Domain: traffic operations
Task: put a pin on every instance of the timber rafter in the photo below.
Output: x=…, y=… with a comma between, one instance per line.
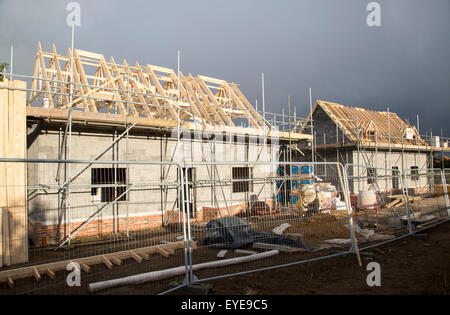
x=368, y=127
x=149, y=91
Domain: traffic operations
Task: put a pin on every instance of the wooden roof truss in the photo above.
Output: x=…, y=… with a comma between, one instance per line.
x=362, y=125
x=148, y=91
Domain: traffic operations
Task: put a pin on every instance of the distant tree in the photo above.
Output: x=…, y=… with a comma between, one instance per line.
x=3, y=67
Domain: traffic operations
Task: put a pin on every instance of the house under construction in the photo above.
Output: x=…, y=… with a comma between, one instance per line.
x=112, y=141
x=87, y=108
x=372, y=140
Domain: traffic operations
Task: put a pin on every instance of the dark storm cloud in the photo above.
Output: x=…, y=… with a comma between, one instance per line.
x=323, y=44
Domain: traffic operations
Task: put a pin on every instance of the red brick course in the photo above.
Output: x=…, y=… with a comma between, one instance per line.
x=46, y=234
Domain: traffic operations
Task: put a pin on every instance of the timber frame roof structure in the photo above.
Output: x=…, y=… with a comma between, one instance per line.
x=148, y=95
x=367, y=127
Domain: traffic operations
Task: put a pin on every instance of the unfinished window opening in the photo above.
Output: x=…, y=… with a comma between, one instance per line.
x=245, y=174
x=110, y=177
x=395, y=177
x=189, y=191
x=371, y=175
x=371, y=134
x=415, y=173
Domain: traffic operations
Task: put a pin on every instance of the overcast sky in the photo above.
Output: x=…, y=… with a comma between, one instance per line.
x=324, y=44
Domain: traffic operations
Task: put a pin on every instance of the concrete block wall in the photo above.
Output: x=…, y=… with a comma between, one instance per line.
x=325, y=126
x=146, y=204
x=45, y=234
x=385, y=160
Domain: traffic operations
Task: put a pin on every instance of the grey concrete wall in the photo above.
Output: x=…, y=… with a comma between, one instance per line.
x=325, y=129
x=385, y=161
x=146, y=198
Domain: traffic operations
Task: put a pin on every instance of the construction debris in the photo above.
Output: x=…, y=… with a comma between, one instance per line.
x=229, y=232
x=222, y=253
x=271, y=246
x=258, y=208
x=332, y=243
x=233, y=232
x=381, y=237
x=367, y=233
x=280, y=229
x=245, y=252
x=296, y=237
x=338, y=241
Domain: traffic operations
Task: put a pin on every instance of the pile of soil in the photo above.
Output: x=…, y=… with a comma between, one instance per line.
x=320, y=227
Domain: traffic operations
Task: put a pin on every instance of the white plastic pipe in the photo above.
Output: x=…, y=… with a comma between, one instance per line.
x=167, y=273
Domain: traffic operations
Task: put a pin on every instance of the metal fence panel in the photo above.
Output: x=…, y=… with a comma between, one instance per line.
x=381, y=208
x=427, y=196
x=445, y=187
x=390, y=204
x=242, y=210
x=121, y=219
x=113, y=218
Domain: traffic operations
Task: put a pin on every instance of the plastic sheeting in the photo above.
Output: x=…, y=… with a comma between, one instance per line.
x=233, y=232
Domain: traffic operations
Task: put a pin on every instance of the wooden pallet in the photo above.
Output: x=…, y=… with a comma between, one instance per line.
x=109, y=260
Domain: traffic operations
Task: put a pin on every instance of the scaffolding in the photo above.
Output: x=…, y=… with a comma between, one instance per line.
x=83, y=88
x=151, y=92
x=368, y=132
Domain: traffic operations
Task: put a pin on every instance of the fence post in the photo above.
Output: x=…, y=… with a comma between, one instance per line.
x=346, y=190
x=188, y=215
x=1, y=234
x=406, y=199
x=181, y=208
x=444, y=189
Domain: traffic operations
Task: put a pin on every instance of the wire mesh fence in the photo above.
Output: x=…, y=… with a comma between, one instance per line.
x=110, y=218
x=126, y=229
x=381, y=208
x=427, y=196
x=446, y=172
x=390, y=203
x=283, y=213
x=445, y=186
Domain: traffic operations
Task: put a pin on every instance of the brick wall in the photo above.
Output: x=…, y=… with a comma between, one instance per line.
x=42, y=235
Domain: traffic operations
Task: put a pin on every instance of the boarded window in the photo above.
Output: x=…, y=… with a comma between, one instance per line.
x=114, y=179
x=243, y=173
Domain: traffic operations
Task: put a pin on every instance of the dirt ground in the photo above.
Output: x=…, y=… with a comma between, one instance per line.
x=408, y=266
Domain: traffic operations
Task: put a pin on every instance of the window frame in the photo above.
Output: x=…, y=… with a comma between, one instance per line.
x=242, y=186
x=414, y=173
x=109, y=176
